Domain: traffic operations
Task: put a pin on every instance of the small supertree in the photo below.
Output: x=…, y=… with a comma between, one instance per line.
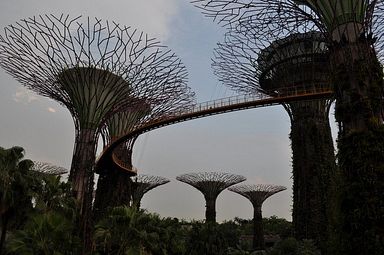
x=142, y=183
x=48, y=168
x=211, y=184
x=93, y=68
x=353, y=30
x=257, y=194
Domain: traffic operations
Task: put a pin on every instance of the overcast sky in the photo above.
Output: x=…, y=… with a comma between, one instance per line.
x=253, y=143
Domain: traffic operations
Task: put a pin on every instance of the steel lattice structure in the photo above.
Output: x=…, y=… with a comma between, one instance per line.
x=142, y=183
x=115, y=185
x=257, y=194
x=48, y=168
x=353, y=32
x=211, y=184
x=95, y=69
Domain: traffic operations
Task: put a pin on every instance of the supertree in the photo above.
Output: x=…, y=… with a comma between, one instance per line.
x=48, y=168
x=257, y=194
x=353, y=32
x=296, y=62
x=211, y=184
x=114, y=185
x=142, y=183
x=93, y=68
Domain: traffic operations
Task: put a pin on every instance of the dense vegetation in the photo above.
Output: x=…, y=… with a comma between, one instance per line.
x=39, y=215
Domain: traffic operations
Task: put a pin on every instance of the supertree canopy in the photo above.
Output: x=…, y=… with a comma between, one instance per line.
x=48, y=168
x=257, y=194
x=296, y=63
x=93, y=68
x=211, y=184
x=353, y=32
x=142, y=183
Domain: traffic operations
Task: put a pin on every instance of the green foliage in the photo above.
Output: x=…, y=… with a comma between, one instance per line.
x=54, y=195
x=212, y=238
x=272, y=226
x=127, y=230
x=16, y=187
x=277, y=226
x=291, y=246
x=361, y=160
x=46, y=234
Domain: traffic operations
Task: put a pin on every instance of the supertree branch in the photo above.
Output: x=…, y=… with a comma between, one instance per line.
x=257, y=194
x=232, y=13
x=211, y=184
x=260, y=62
x=39, y=51
x=279, y=18
x=48, y=168
x=142, y=184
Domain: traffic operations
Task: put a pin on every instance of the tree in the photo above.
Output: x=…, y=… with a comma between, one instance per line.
x=124, y=231
x=55, y=195
x=16, y=186
x=211, y=238
x=48, y=233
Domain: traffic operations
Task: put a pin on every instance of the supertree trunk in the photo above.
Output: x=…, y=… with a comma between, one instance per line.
x=258, y=231
x=81, y=178
x=358, y=80
x=313, y=167
x=210, y=209
x=82, y=163
x=257, y=194
x=114, y=187
x=136, y=200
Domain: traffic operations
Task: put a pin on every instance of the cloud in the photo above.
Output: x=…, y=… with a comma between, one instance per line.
x=151, y=16
x=25, y=96
x=50, y=109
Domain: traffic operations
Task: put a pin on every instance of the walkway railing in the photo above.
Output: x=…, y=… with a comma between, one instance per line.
x=218, y=106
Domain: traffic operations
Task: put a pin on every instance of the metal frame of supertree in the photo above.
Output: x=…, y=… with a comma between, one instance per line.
x=94, y=69
x=143, y=183
x=353, y=30
x=48, y=168
x=114, y=186
x=211, y=184
x=257, y=194
x=298, y=60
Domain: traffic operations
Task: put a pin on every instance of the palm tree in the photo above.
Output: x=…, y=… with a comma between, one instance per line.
x=55, y=195
x=46, y=234
x=126, y=231
x=15, y=186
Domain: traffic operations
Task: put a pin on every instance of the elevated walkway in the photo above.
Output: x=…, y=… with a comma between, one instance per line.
x=108, y=159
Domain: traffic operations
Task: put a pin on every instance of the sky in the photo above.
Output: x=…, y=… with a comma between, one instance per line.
x=253, y=143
